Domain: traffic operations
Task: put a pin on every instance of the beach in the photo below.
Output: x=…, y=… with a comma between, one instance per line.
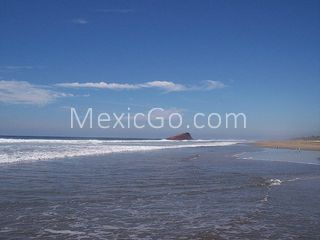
x=291, y=144
x=160, y=120
x=156, y=190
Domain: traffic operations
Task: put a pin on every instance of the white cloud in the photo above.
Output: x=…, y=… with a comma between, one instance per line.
x=102, y=85
x=81, y=21
x=210, y=84
x=21, y=92
x=167, y=86
x=164, y=85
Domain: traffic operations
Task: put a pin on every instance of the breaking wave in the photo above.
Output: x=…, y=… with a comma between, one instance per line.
x=274, y=182
x=14, y=150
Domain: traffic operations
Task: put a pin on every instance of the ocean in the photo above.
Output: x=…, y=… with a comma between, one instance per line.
x=156, y=189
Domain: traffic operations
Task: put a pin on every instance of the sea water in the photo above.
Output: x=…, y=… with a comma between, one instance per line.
x=156, y=189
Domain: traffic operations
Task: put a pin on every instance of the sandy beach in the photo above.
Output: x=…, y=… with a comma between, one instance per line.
x=291, y=144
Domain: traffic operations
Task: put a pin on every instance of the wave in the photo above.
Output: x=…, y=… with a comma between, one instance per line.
x=273, y=182
x=68, y=232
x=85, y=141
x=15, y=150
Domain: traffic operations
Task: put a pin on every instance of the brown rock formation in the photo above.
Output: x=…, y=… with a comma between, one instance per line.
x=182, y=136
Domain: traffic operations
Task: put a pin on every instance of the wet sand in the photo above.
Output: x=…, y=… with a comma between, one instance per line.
x=291, y=144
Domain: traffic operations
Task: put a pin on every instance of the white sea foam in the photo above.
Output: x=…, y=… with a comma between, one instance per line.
x=69, y=232
x=274, y=182
x=85, y=141
x=13, y=150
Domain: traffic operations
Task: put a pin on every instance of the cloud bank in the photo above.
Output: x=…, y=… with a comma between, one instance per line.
x=167, y=86
x=21, y=92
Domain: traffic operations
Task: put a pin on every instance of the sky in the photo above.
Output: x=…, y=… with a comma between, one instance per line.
x=261, y=58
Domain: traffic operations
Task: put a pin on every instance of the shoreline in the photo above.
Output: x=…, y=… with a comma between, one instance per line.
x=308, y=145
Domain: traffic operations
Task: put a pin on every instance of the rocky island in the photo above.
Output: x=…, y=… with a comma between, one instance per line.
x=182, y=136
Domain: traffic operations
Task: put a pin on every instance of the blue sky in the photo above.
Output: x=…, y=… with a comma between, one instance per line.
x=257, y=57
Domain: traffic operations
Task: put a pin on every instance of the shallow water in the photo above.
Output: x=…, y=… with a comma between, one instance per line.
x=206, y=192
x=283, y=155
